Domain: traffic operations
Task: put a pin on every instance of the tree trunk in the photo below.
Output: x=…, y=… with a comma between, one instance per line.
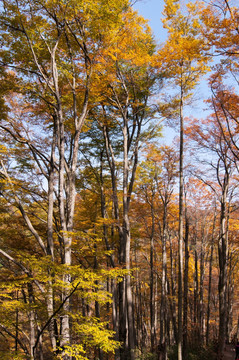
x=230, y=295
x=195, y=295
x=163, y=309
x=210, y=281
x=172, y=298
x=223, y=260
x=130, y=335
x=185, y=293
x=201, y=292
x=31, y=321
x=180, y=238
x=50, y=244
x=152, y=282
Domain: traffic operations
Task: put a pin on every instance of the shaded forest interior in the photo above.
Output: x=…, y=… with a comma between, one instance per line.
x=113, y=244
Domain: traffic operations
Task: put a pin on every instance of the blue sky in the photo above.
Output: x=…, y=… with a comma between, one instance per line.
x=152, y=10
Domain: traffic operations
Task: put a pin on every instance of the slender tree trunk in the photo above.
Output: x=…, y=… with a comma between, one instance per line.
x=16, y=327
x=201, y=292
x=152, y=282
x=180, y=238
x=195, y=295
x=173, y=292
x=111, y=257
x=65, y=324
x=185, y=295
x=137, y=295
x=122, y=314
x=97, y=305
x=139, y=312
x=40, y=355
x=31, y=321
x=230, y=293
x=163, y=309
x=130, y=334
x=223, y=260
x=126, y=229
x=210, y=281
x=50, y=245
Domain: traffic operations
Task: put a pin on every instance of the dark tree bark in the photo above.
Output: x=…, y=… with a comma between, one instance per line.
x=185, y=292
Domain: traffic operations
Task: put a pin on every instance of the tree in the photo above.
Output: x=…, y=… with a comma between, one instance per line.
x=62, y=45
x=129, y=83
x=155, y=182
x=184, y=61
x=211, y=136
x=221, y=30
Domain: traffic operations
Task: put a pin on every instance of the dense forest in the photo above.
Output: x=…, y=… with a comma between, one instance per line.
x=115, y=243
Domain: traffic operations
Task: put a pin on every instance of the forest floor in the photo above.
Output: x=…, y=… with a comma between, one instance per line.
x=229, y=353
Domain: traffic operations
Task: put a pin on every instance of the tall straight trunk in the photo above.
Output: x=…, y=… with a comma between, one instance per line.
x=230, y=295
x=104, y=213
x=195, y=294
x=163, y=309
x=40, y=354
x=120, y=317
x=173, y=292
x=209, y=296
x=152, y=282
x=156, y=307
x=210, y=281
x=115, y=314
x=230, y=282
x=50, y=245
x=137, y=294
x=201, y=292
x=16, y=326
x=123, y=318
x=180, y=237
x=111, y=256
x=32, y=336
x=115, y=297
x=185, y=293
x=65, y=324
x=130, y=335
x=223, y=261
x=152, y=297
x=97, y=305
x=139, y=312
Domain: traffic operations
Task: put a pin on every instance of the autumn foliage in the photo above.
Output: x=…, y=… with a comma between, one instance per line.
x=113, y=244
